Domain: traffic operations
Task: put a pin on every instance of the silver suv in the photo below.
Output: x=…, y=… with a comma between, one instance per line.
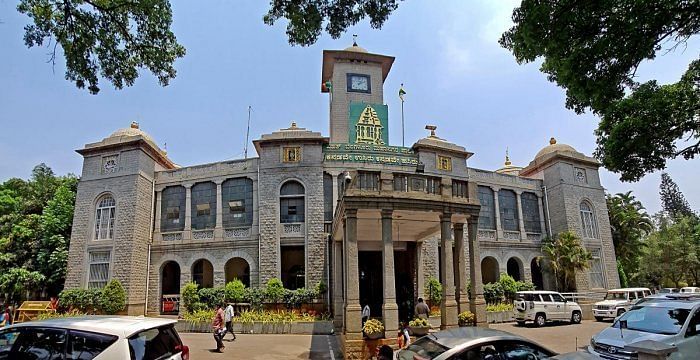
x=674, y=320
x=542, y=306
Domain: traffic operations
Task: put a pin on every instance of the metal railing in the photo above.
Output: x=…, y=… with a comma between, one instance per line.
x=584, y=297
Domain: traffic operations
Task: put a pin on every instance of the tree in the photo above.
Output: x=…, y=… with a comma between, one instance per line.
x=113, y=299
x=592, y=49
x=565, y=256
x=671, y=252
x=629, y=223
x=116, y=39
x=672, y=199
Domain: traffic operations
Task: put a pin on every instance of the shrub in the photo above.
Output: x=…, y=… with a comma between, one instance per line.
x=466, y=318
x=499, y=307
x=200, y=316
x=434, y=291
x=509, y=286
x=493, y=293
x=254, y=296
x=113, y=299
x=294, y=298
x=373, y=326
x=190, y=296
x=82, y=300
x=525, y=286
x=235, y=291
x=321, y=288
x=212, y=296
x=418, y=322
x=274, y=291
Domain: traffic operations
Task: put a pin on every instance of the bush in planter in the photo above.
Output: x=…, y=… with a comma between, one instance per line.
x=373, y=327
x=493, y=293
x=509, y=286
x=82, y=300
x=274, y=291
x=466, y=318
x=418, y=322
x=113, y=299
x=235, y=291
x=189, y=296
x=212, y=296
x=434, y=291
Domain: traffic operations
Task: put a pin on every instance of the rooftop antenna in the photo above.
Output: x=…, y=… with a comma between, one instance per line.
x=247, y=133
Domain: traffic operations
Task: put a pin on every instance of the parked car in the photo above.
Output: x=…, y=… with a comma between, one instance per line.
x=667, y=291
x=690, y=289
x=617, y=301
x=93, y=337
x=542, y=306
x=473, y=343
x=674, y=321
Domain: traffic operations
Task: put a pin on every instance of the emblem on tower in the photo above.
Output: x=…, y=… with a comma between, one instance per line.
x=368, y=124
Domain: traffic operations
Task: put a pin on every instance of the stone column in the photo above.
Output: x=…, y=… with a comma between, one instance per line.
x=159, y=213
x=461, y=280
x=521, y=220
x=389, y=308
x=353, y=309
x=219, y=229
x=497, y=211
x=335, y=191
x=338, y=283
x=477, y=303
x=187, y=234
x=543, y=228
x=420, y=276
x=448, y=305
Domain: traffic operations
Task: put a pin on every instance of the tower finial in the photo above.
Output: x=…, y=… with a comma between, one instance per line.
x=432, y=129
x=354, y=39
x=507, y=163
x=552, y=141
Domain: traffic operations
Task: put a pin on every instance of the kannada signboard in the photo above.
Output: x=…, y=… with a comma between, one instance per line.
x=370, y=153
x=368, y=123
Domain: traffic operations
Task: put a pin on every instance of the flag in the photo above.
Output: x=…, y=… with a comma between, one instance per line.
x=402, y=92
x=328, y=85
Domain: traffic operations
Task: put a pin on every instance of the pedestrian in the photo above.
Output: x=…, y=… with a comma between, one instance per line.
x=385, y=353
x=54, y=303
x=365, y=314
x=228, y=317
x=403, y=338
x=422, y=309
x=218, y=327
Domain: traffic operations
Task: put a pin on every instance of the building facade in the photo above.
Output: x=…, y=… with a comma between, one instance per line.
x=371, y=221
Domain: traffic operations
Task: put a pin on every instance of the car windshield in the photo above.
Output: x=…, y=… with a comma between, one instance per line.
x=654, y=319
x=616, y=296
x=423, y=348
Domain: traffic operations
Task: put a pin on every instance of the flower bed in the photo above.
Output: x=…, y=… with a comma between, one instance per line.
x=261, y=322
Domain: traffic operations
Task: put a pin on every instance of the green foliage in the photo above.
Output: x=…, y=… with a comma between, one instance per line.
x=466, y=318
x=199, y=316
x=419, y=322
x=210, y=297
x=235, y=291
x=321, y=287
x=629, y=223
x=81, y=300
x=58, y=315
x=190, y=296
x=493, y=293
x=274, y=291
x=104, y=38
x=593, y=50
x=509, y=286
x=294, y=298
x=525, y=286
x=499, y=307
x=624, y=282
x=274, y=317
x=434, y=291
x=672, y=199
x=565, y=255
x=256, y=297
x=671, y=254
x=113, y=298
x=19, y=280
x=373, y=326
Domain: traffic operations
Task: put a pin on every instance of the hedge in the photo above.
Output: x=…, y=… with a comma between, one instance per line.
x=109, y=300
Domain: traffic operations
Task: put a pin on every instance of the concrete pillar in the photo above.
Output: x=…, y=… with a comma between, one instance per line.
x=497, y=211
x=353, y=309
x=338, y=283
x=448, y=305
x=477, y=303
x=159, y=213
x=389, y=308
x=335, y=191
x=461, y=280
x=187, y=235
x=543, y=228
x=521, y=220
x=219, y=228
x=420, y=277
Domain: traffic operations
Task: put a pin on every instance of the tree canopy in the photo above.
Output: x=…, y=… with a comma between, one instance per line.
x=672, y=199
x=565, y=255
x=114, y=39
x=629, y=224
x=593, y=49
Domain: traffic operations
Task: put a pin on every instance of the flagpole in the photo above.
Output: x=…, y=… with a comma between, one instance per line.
x=247, y=133
x=402, y=126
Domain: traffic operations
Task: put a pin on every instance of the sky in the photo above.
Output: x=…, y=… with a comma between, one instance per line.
x=456, y=75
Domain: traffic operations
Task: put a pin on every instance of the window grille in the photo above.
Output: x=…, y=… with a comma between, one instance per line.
x=596, y=272
x=433, y=185
x=104, y=218
x=531, y=212
x=487, y=214
x=589, y=223
x=99, y=269
x=444, y=163
x=508, y=209
x=368, y=180
x=459, y=189
x=400, y=182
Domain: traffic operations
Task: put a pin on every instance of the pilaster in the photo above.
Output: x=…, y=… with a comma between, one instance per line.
x=521, y=220
x=477, y=303
x=461, y=280
x=499, y=229
x=187, y=234
x=219, y=229
x=159, y=200
x=353, y=310
x=543, y=229
x=448, y=305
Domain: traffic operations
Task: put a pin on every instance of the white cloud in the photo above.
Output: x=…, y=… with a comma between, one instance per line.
x=499, y=19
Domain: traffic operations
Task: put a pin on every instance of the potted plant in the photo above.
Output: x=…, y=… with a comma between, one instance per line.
x=373, y=329
x=418, y=327
x=466, y=318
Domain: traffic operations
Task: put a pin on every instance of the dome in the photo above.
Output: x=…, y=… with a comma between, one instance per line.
x=133, y=130
x=355, y=48
x=554, y=147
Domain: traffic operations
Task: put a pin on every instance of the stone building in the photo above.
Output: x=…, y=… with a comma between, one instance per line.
x=372, y=221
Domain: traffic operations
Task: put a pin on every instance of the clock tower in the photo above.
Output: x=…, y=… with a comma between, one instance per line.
x=351, y=76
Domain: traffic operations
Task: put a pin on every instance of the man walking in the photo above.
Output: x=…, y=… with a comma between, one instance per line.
x=422, y=309
x=228, y=317
x=218, y=327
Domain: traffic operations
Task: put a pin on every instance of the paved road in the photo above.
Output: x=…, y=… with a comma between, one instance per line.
x=263, y=347
x=561, y=337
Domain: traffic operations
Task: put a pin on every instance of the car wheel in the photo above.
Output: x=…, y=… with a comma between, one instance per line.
x=540, y=320
x=598, y=318
x=521, y=323
x=576, y=317
x=620, y=312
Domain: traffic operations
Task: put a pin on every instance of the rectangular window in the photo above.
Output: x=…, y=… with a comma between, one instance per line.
x=596, y=272
x=292, y=210
x=444, y=163
x=508, y=209
x=459, y=189
x=368, y=181
x=531, y=212
x=433, y=185
x=400, y=183
x=291, y=154
x=99, y=269
x=487, y=214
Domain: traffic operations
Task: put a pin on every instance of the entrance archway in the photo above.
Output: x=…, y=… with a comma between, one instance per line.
x=203, y=273
x=170, y=287
x=536, y=272
x=489, y=270
x=514, y=268
x=237, y=268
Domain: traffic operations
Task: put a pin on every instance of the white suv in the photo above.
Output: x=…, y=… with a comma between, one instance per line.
x=542, y=306
x=617, y=301
x=93, y=337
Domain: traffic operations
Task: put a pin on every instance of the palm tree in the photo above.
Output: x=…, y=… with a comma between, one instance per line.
x=565, y=256
x=629, y=223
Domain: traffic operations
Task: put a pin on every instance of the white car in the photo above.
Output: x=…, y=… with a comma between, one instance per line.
x=690, y=289
x=542, y=306
x=617, y=301
x=93, y=337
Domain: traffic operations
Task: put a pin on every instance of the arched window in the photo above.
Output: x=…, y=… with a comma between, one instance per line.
x=104, y=218
x=292, y=202
x=589, y=224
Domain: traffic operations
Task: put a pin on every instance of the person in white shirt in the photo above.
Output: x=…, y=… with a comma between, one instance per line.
x=228, y=318
x=365, y=314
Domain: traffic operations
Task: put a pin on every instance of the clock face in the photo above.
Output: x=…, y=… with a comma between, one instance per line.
x=358, y=82
x=580, y=175
x=110, y=165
